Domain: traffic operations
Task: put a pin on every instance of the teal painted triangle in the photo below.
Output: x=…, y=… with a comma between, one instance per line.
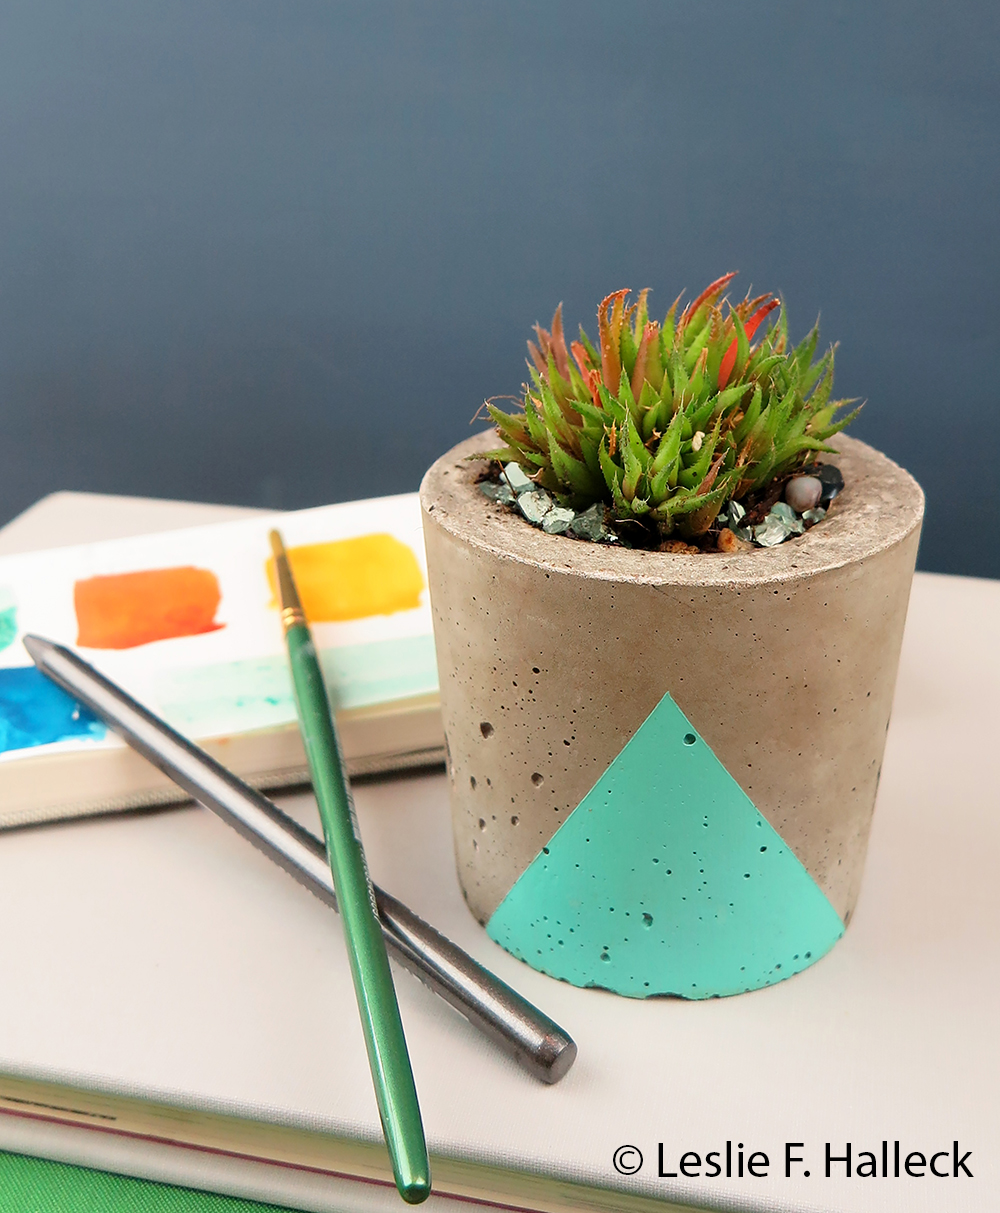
x=666, y=879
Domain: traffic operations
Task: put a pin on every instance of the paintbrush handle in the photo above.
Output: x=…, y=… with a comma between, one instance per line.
x=388, y=1058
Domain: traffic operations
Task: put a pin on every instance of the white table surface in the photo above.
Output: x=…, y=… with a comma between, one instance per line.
x=162, y=950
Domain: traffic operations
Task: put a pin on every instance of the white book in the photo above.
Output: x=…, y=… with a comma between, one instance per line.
x=176, y=1008
x=186, y=621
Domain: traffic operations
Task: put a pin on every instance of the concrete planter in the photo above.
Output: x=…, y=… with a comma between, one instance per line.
x=552, y=653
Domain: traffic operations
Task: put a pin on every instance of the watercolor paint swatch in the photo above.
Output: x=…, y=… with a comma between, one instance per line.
x=186, y=621
x=8, y=617
x=256, y=693
x=34, y=711
x=123, y=610
x=354, y=578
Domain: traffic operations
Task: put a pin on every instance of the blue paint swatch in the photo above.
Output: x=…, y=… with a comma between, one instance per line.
x=667, y=880
x=34, y=711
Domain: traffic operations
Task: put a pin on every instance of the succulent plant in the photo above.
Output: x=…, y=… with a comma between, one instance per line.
x=666, y=423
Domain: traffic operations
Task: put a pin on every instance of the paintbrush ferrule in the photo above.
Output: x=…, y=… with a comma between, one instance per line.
x=292, y=617
x=289, y=603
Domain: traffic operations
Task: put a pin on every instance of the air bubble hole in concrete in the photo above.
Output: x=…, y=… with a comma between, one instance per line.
x=486, y=728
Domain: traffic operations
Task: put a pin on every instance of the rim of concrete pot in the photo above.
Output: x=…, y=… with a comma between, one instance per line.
x=881, y=504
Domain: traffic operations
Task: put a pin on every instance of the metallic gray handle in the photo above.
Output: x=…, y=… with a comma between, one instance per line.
x=518, y=1027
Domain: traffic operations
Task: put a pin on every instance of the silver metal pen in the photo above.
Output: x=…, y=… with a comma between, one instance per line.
x=519, y=1028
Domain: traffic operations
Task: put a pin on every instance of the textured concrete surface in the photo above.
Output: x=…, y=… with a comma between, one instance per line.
x=552, y=651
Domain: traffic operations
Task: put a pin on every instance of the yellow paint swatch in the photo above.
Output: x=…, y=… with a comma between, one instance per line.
x=353, y=578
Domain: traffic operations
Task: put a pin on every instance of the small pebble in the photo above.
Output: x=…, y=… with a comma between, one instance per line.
x=535, y=505
x=589, y=523
x=803, y=493
x=496, y=492
x=770, y=532
x=787, y=516
x=678, y=545
x=729, y=542
x=557, y=520
x=832, y=480
x=736, y=512
x=697, y=440
x=813, y=516
x=517, y=479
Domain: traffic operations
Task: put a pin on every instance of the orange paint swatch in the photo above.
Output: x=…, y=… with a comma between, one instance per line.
x=123, y=610
x=353, y=578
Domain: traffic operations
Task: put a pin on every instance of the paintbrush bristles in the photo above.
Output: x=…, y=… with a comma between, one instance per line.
x=288, y=596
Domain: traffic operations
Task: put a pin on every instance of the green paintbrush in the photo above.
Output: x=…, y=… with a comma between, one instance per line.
x=387, y=1055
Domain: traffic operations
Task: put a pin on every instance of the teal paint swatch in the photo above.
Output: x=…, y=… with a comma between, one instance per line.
x=34, y=711
x=666, y=879
x=361, y=675
x=8, y=617
x=8, y=626
x=256, y=693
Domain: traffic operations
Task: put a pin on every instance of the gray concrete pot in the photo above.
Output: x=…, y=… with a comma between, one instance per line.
x=553, y=651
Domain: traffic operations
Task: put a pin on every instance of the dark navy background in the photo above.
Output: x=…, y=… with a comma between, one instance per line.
x=277, y=253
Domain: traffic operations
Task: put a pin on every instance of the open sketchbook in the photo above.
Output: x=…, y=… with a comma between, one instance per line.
x=187, y=622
